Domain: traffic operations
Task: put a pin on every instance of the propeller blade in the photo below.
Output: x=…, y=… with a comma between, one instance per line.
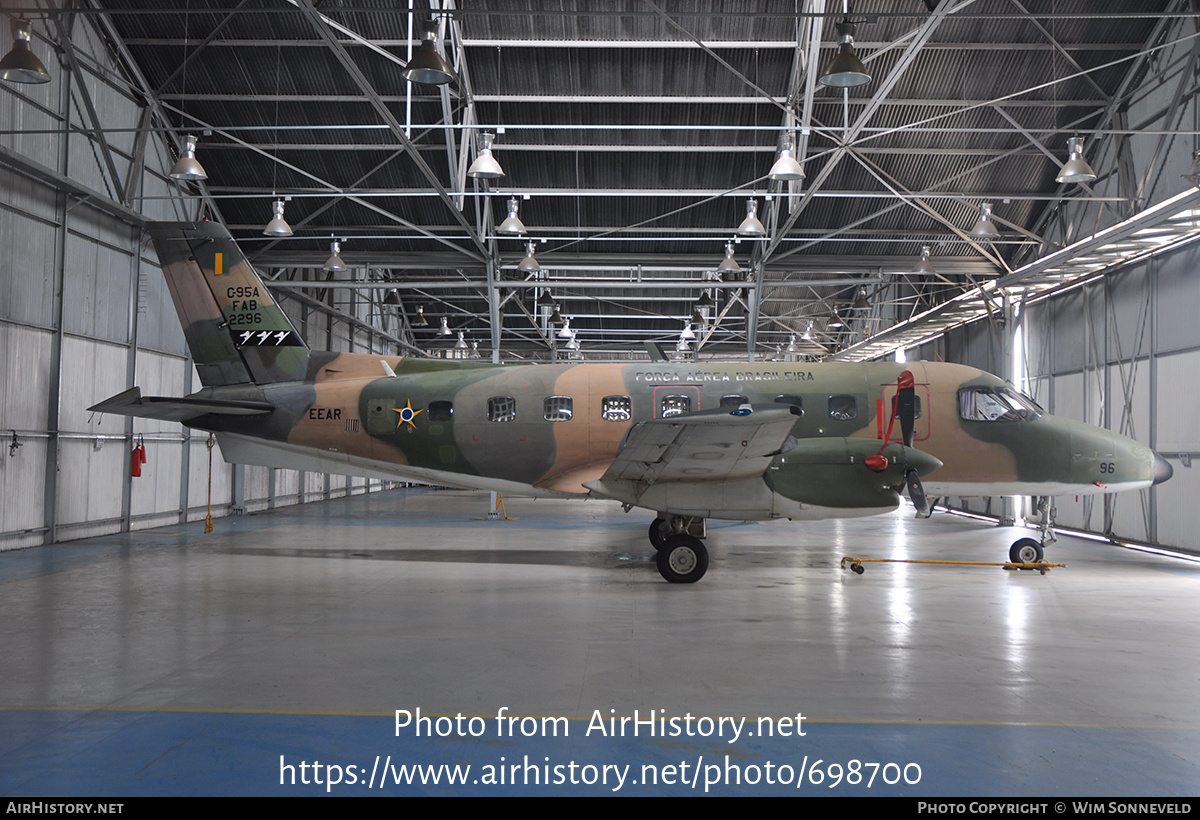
x=906, y=405
x=916, y=492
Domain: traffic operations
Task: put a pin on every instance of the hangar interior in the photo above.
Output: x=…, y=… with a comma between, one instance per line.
x=634, y=138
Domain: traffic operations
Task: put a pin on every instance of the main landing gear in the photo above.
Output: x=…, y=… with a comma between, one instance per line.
x=682, y=556
x=1032, y=550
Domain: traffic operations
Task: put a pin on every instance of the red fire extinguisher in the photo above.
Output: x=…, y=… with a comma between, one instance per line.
x=138, y=458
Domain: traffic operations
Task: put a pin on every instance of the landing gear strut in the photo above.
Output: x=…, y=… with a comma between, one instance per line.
x=665, y=526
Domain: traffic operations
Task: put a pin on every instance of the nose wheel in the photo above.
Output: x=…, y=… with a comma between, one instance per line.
x=1026, y=551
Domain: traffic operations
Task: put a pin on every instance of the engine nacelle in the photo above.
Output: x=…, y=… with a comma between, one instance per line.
x=833, y=472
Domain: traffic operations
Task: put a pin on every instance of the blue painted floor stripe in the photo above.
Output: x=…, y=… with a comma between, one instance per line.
x=158, y=753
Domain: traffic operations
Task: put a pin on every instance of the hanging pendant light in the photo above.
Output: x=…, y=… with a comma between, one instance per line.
x=475, y=350
x=751, y=225
x=985, y=228
x=461, y=344
x=20, y=64
x=572, y=343
x=444, y=330
x=421, y=320
x=529, y=264
x=392, y=298
x=485, y=165
x=278, y=225
x=427, y=66
x=924, y=266
x=698, y=318
x=555, y=316
x=845, y=70
x=1076, y=170
x=512, y=226
x=186, y=168
x=861, y=302
x=786, y=168
x=687, y=331
x=334, y=263
x=834, y=322
x=791, y=348
x=566, y=332
x=729, y=265
x=682, y=346
x=807, y=335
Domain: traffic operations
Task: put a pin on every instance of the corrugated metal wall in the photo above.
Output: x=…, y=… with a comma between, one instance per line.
x=109, y=326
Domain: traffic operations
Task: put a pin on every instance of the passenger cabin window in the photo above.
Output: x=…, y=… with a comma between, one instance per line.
x=441, y=411
x=616, y=408
x=996, y=404
x=843, y=408
x=557, y=408
x=675, y=405
x=794, y=401
x=733, y=402
x=501, y=408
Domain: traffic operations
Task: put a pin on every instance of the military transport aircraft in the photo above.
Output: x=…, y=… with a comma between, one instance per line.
x=689, y=441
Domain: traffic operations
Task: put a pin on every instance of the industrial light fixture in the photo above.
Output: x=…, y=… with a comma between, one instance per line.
x=475, y=350
x=461, y=344
x=786, y=168
x=427, y=66
x=572, y=344
x=751, y=225
x=682, y=346
x=705, y=300
x=923, y=265
x=835, y=321
x=545, y=300
x=444, y=330
x=555, y=316
x=334, y=263
x=566, y=332
x=485, y=165
x=807, y=335
x=791, y=348
x=687, y=331
x=20, y=64
x=698, y=318
x=512, y=226
x=278, y=225
x=186, y=168
x=860, y=299
x=529, y=264
x=1076, y=170
x=392, y=298
x=421, y=320
x=729, y=264
x=985, y=228
x=845, y=70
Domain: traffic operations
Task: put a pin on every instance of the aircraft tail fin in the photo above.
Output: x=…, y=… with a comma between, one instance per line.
x=236, y=332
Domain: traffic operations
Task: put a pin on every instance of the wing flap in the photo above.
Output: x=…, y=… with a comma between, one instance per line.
x=718, y=446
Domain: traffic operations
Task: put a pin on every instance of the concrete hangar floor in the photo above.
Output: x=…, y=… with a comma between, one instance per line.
x=271, y=656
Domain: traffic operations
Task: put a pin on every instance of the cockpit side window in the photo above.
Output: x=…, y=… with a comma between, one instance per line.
x=996, y=404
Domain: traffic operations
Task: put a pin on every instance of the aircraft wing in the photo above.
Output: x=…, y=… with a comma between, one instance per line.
x=133, y=403
x=710, y=446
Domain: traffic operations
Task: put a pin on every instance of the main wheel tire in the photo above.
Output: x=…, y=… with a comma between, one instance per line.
x=657, y=538
x=683, y=559
x=1025, y=551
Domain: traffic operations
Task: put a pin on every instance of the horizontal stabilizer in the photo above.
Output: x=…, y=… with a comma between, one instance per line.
x=133, y=403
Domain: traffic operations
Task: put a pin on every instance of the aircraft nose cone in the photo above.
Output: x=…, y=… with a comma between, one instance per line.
x=1162, y=469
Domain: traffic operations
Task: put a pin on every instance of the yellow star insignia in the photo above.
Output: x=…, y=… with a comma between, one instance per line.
x=407, y=414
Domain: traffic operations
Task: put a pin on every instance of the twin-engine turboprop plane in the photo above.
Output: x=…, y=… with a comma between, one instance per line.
x=689, y=441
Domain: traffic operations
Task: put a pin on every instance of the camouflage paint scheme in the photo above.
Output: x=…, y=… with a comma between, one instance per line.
x=273, y=402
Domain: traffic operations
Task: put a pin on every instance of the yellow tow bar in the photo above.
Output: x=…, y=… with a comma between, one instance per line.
x=856, y=564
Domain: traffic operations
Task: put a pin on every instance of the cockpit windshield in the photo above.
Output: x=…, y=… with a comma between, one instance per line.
x=996, y=404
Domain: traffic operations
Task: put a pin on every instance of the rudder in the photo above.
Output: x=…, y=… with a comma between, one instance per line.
x=234, y=329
